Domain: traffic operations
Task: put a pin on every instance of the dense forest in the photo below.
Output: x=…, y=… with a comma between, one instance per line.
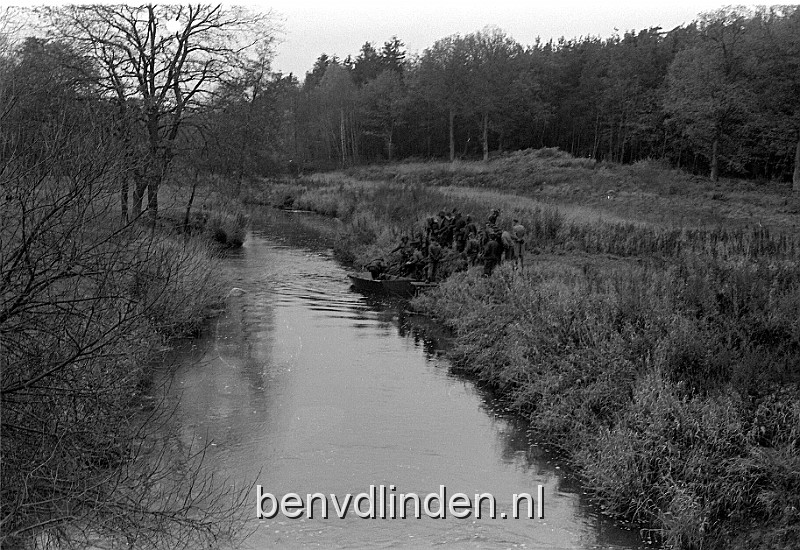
x=720, y=95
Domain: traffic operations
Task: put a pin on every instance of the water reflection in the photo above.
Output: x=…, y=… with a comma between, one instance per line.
x=305, y=386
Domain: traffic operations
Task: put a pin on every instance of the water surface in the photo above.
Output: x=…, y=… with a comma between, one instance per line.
x=304, y=386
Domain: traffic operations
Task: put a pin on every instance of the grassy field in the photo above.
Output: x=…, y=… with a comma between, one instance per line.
x=645, y=191
x=654, y=336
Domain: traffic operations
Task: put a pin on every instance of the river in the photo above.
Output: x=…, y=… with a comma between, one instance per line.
x=305, y=386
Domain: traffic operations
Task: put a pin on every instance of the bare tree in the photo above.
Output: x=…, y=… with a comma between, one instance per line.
x=165, y=62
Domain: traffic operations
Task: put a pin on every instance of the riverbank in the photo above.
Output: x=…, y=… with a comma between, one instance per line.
x=89, y=303
x=205, y=207
x=661, y=357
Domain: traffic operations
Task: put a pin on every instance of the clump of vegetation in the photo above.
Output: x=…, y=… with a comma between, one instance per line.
x=227, y=228
x=176, y=283
x=202, y=207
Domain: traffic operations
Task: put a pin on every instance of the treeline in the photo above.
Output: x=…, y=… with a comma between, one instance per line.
x=718, y=96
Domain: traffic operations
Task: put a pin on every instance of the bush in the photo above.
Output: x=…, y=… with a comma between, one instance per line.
x=86, y=299
x=650, y=379
x=227, y=228
x=183, y=283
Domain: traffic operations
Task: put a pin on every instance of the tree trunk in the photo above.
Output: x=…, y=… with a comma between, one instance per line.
x=342, y=136
x=715, y=160
x=187, y=217
x=572, y=142
x=123, y=199
x=354, y=157
x=152, y=198
x=140, y=184
x=796, y=175
x=485, y=137
x=452, y=136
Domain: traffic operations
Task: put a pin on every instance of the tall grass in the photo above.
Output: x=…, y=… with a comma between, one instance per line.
x=398, y=208
x=645, y=191
x=212, y=213
x=676, y=390
x=176, y=283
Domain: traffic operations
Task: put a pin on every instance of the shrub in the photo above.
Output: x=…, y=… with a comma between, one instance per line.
x=650, y=379
x=178, y=281
x=227, y=228
x=85, y=300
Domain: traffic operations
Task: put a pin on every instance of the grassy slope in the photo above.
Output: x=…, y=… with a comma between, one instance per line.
x=644, y=191
x=655, y=337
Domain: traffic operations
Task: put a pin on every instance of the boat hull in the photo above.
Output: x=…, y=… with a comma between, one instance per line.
x=404, y=288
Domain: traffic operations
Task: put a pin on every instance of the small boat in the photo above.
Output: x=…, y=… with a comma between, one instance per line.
x=404, y=288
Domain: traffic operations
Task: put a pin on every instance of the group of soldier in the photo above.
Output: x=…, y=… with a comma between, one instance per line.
x=452, y=237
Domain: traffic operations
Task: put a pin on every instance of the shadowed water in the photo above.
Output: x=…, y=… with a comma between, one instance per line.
x=305, y=386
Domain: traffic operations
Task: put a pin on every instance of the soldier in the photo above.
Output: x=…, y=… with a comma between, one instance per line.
x=431, y=230
x=508, y=245
x=434, y=257
x=492, y=254
x=414, y=266
x=518, y=236
x=491, y=225
x=404, y=249
x=471, y=226
x=460, y=232
x=473, y=248
x=376, y=268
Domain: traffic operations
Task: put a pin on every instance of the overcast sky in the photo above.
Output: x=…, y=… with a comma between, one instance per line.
x=342, y=27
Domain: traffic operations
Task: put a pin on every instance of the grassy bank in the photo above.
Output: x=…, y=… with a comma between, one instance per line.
x=674, y=390
x=378, y=212
x=646, y=191
x=205, y=207
x=87, y=302
x=658, y=349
